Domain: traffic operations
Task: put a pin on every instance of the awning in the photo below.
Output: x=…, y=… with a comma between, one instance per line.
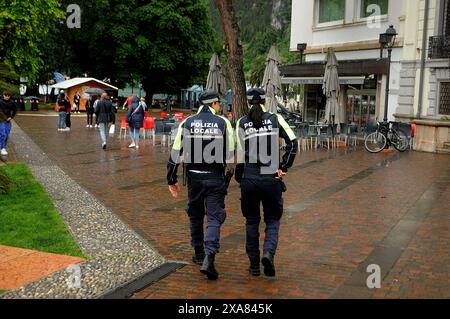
x=346, y=68
x=319, y=80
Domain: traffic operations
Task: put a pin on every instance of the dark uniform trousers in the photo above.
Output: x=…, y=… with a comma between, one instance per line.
x=206, y=196
x=268, y=191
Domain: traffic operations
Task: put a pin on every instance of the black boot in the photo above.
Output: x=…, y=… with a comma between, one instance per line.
x=269, y=267
x=199, y=255
x=208, y=267
x=254, y=270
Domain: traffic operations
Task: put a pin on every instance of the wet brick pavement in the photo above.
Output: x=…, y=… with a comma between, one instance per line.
x=344, y=210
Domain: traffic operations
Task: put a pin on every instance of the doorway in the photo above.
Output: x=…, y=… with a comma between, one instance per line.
x=361, y=107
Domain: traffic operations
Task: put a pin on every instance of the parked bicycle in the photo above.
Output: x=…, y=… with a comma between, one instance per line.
x=385, y=136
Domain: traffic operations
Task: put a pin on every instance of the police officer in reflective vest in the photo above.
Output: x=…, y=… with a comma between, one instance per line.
x=260, y=173
x=205, y=142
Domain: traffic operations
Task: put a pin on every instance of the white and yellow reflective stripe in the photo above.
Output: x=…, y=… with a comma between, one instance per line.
x=286, y=128
x=238, y=138
x=230, y=136
x=177, y=144
x=210, y=108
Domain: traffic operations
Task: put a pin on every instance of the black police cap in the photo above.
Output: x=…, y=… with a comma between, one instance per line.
x=256, y=95
x=209, y=97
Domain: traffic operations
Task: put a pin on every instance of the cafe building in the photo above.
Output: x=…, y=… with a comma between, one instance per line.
x=352, y=28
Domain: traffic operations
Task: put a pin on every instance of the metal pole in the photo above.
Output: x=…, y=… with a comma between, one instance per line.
x=388, y=79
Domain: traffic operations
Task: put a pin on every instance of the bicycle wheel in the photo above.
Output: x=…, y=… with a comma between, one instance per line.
x=400, y=140
x=375, y=142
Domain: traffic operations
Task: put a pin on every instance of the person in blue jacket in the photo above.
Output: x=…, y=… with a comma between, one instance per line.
x=135, y=118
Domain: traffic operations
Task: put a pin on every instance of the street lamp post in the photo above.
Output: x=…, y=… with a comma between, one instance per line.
x=301, y=47
x=387, y=40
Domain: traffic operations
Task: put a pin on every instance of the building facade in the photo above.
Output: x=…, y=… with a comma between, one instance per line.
x=424, y=95
x=352, y=28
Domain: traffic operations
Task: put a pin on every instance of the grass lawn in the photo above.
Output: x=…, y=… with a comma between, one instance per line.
x=28, y=218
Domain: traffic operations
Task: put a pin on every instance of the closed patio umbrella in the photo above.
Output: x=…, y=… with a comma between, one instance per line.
x=216, y=78
x=331, y=90
x=272, y=79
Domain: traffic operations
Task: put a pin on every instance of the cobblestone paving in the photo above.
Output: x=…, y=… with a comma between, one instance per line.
x=117, y=255
x=343, y=209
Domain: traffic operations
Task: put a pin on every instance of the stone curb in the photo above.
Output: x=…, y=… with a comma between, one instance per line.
x=117, y=254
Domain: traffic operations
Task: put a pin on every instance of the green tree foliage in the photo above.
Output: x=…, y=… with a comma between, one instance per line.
x=9, y=81
x=176, y=45
x=24, y=25
x=263, y=23
x=164, y=44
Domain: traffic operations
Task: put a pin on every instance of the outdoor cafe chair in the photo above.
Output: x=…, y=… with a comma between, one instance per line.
x=163, y=128
x=149, y=124
x=302, y=132
x=123, y=127
x=343, y=134
x=353, y=135
x=326, y=137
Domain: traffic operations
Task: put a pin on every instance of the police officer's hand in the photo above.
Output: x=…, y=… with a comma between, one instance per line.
x=174, y=190
x=281, y=174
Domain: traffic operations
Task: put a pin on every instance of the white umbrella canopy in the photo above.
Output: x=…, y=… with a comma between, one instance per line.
x=272, y=79
x=331, y=89
x=216, y=79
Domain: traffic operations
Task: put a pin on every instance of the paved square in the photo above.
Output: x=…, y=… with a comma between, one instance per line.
x=344, y=210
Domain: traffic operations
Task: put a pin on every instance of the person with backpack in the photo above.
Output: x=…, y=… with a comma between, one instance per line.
x=135, y=118
x=104, y=111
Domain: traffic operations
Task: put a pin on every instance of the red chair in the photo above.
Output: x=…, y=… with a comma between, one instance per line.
x=163, y=115
x=179, y=116
x=123, y=126
x=149, y=124
x=145, y=114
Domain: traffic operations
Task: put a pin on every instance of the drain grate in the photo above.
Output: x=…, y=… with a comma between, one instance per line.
x=144, y=281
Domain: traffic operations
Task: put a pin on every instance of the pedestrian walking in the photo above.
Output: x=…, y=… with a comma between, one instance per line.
x=69, y=113
x=115, y=106
x=206, y=143
x=97, y=100
x=104, y=113
x=76, y=101
x=61, y=108
x=260, y=175
x=143, y=104
x=8, y=110
x=90, y=112
x=135, y=119
x=128, y=101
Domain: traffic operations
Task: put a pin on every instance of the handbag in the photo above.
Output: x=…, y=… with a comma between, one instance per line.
x=112, y=129
x=135, y=111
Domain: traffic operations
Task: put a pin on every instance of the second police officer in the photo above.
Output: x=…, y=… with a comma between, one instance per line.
x=260, y=173
x=204, y=142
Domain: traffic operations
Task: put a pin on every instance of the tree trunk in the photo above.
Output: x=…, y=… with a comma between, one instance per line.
x=235, y=58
